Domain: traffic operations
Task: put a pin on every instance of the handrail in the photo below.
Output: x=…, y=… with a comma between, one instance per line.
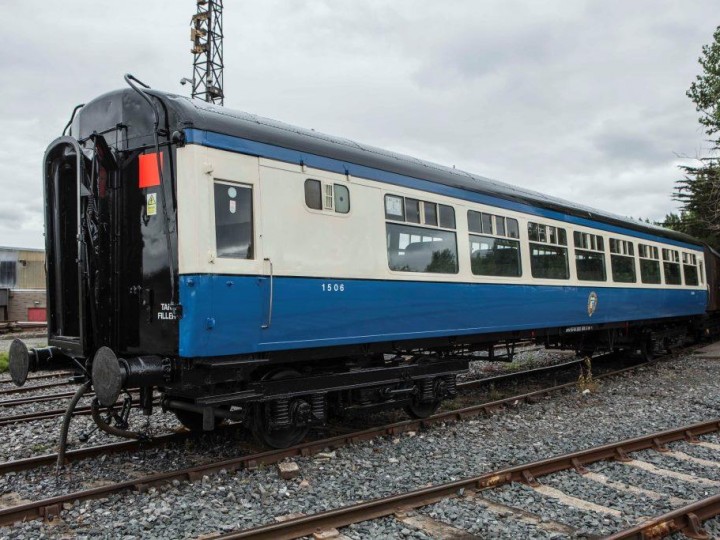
x=269, y=319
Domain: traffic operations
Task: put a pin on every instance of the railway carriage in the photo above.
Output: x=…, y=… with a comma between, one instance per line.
x=255, y=271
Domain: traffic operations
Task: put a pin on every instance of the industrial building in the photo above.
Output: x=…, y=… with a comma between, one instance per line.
x=22, y=284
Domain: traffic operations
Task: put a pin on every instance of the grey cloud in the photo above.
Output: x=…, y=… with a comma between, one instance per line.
x=583, y=100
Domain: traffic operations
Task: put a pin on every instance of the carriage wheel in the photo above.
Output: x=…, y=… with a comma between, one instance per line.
x=262, y=415
x=420, y=410
x=647, y=350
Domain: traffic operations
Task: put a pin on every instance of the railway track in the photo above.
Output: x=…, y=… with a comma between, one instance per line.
x=27, y=389
x=51, y=507
x=41, y=376
x=51, y=413
x=47, y=414
x=686, y=519
x=461, y=385
x=39, y=399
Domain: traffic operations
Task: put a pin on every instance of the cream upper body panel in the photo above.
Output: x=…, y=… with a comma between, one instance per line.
x=300, y=241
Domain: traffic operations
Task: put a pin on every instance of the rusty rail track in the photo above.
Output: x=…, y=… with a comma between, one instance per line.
x=462, y=385
x=44, y=415
x=25, y=389
x=51, y=507
x=47, y=397
x=89, y=452
x=307, y=448
x=39, y=399
x=40, y=415
x=687, y=519
x=526, y=473
x=50, y=413
x=35, y=462
x=42, y=376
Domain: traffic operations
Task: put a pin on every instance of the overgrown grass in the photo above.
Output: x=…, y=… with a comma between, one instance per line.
x=3, y=362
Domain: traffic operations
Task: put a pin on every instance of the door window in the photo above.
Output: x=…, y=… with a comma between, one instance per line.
x=233, y=221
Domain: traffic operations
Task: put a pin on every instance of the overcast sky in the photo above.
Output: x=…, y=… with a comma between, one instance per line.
x=584, y=100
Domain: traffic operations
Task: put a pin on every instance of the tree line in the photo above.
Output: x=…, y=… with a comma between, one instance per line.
x=698, y=192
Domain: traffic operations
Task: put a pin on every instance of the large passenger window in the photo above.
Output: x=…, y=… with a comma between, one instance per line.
x=548, y=257
x=420, y=249
x=690, y=269
x=589, y=257
x=494, y=256
x=417, y=249
x=671, y=266
x=622, y=261
x=649, y=264
x=233, y=221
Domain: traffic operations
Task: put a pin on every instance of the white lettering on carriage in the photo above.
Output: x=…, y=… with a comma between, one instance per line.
x=333, y=287
x=166, y=313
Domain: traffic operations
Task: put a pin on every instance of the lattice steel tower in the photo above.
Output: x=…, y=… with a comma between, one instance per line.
x=207, y=38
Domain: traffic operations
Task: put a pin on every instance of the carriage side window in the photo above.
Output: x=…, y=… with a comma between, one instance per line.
x=589, y=257
x=649, y=264
x=447, y=216
x=671, y=266
x=491, y=256
x=622, y=261
x=410, y=210
x=548, y=257
x=702, y=273
x=313, y=194
x=323, y=196
x=430, y=213
x=690, y=270
x=342, y=199
x=233, y=221
x=420, y=249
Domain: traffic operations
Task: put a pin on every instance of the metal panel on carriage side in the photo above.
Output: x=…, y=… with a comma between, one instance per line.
x=136, y=221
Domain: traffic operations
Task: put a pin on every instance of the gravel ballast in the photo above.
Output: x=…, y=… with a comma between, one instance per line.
x=659, y=397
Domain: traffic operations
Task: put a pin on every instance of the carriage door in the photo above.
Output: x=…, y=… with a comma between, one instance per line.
x=77, y=241
x=64, y=169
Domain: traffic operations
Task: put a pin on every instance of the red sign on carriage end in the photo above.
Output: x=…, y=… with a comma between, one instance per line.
x=148, y=175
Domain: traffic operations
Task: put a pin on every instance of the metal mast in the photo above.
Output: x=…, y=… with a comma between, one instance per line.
x=207, y=36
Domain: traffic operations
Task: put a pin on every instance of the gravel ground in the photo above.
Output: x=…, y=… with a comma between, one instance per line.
x=522, y=360
x=383, y=528
x=622, y=407
x=40, y=437
x=29, y=341
x=473, y=517
x=33, y=383
x=712, y=527
x=586, y=523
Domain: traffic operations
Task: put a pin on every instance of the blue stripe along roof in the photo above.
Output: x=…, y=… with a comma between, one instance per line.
x=254, y=148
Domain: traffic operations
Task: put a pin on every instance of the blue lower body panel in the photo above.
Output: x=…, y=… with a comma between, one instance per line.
x=224, y=315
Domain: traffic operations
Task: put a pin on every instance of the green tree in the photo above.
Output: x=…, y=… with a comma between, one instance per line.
x=699, y=190
x=705, y=90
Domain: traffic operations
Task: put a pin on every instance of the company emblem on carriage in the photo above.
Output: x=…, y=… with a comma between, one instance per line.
x=592, y=303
